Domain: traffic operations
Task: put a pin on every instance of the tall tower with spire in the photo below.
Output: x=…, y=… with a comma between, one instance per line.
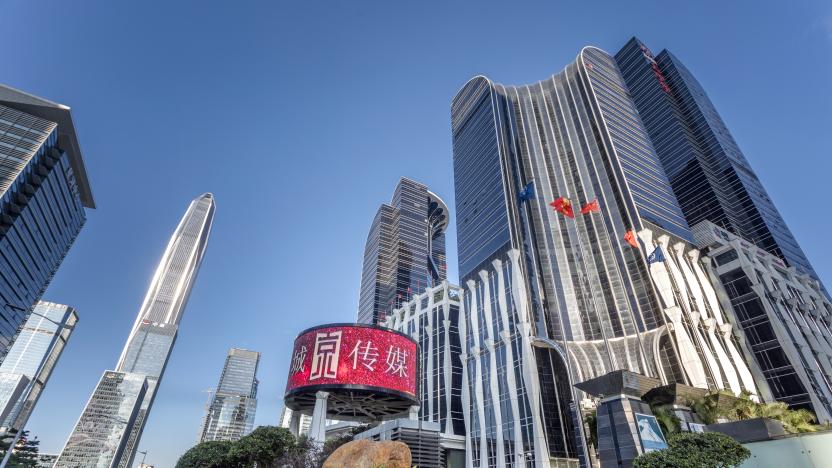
x=147, y=350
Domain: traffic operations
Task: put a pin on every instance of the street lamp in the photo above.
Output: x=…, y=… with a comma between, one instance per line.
x=31, y=385
x=144, y=455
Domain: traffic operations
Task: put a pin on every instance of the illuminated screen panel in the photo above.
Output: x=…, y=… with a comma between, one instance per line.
x=354, y=356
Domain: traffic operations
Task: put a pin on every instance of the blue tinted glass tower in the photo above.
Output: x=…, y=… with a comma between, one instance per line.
x=405, y=251
x=44, y=193
x=148, y=348
x=34, y=355
x=233, y=406
x=710, y=176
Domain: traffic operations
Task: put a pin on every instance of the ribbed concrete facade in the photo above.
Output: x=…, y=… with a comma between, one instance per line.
x=432, y=319
x=551, y=301
x=783, y=314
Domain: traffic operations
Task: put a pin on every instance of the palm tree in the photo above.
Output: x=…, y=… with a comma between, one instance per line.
x=743, y=408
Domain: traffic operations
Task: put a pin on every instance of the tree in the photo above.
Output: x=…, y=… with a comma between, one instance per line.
x=591, y=421
x=305, y=454
x=669, y=422
x=213, y=454
x=743, y=407
x=695, y=450
x=25, y=454
x=263, y=446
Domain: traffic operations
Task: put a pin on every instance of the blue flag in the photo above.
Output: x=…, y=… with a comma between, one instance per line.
x=527, y=193
x=656, y=256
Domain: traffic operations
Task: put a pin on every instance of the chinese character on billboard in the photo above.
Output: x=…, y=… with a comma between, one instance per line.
x=354, y=356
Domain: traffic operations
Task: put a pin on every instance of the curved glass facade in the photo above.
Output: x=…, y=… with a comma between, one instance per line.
x=556, y=300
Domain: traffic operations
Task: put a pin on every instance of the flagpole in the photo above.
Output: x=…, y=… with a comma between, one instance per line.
x=585, y=279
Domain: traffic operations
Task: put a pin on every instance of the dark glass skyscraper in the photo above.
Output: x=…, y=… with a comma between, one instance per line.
x=405, y=251
x=44, y=192
x=232, y=408
x=710, y=175
x=148, y=348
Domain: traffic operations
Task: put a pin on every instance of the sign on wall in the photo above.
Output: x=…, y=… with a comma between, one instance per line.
x=650, y=433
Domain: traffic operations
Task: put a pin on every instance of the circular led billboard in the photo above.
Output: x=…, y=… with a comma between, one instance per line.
x=369, y=371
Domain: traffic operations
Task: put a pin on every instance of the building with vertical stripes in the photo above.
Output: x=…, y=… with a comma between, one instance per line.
x=44, y=195
x=784, y=315
x=549, y=300
x=432, y=318
x=405, y=251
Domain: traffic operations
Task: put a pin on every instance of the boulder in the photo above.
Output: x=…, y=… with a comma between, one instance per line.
x=370, y=454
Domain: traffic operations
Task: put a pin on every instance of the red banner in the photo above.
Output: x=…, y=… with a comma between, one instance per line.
x=354, y=355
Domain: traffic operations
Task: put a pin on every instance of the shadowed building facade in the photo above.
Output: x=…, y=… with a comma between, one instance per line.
x=550, y=301
x=710, y=176
x=232, y=408
x=44, y=193
x=154, y=333
x=405, y=251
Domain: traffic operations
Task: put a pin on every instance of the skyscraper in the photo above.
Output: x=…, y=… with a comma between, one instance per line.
x=100, y=436
x=34, y=355
x=153, y=335
x=710, y=176
x=44, y=192
x=554, y=297
x=231, y=412
x=405, y=251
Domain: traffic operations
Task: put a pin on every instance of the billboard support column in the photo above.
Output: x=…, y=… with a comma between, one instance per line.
x=317, y=431
x=294, y=424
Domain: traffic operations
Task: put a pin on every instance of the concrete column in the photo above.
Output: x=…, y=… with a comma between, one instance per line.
x=294, y=423
x=317, y=431
x=618, y=436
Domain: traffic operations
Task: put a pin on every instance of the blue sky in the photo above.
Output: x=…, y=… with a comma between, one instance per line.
x=301, y=116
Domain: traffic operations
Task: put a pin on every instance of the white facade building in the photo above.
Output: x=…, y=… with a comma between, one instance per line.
x=784, y=316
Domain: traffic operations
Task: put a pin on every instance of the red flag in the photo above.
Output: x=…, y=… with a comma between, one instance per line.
x=591, y=207
x=564, y=206
x=630, y=237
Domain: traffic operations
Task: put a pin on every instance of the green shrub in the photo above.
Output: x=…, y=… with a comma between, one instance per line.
x=695, y=450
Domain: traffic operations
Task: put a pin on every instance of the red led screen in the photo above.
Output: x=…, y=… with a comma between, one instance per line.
x=354, y=355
